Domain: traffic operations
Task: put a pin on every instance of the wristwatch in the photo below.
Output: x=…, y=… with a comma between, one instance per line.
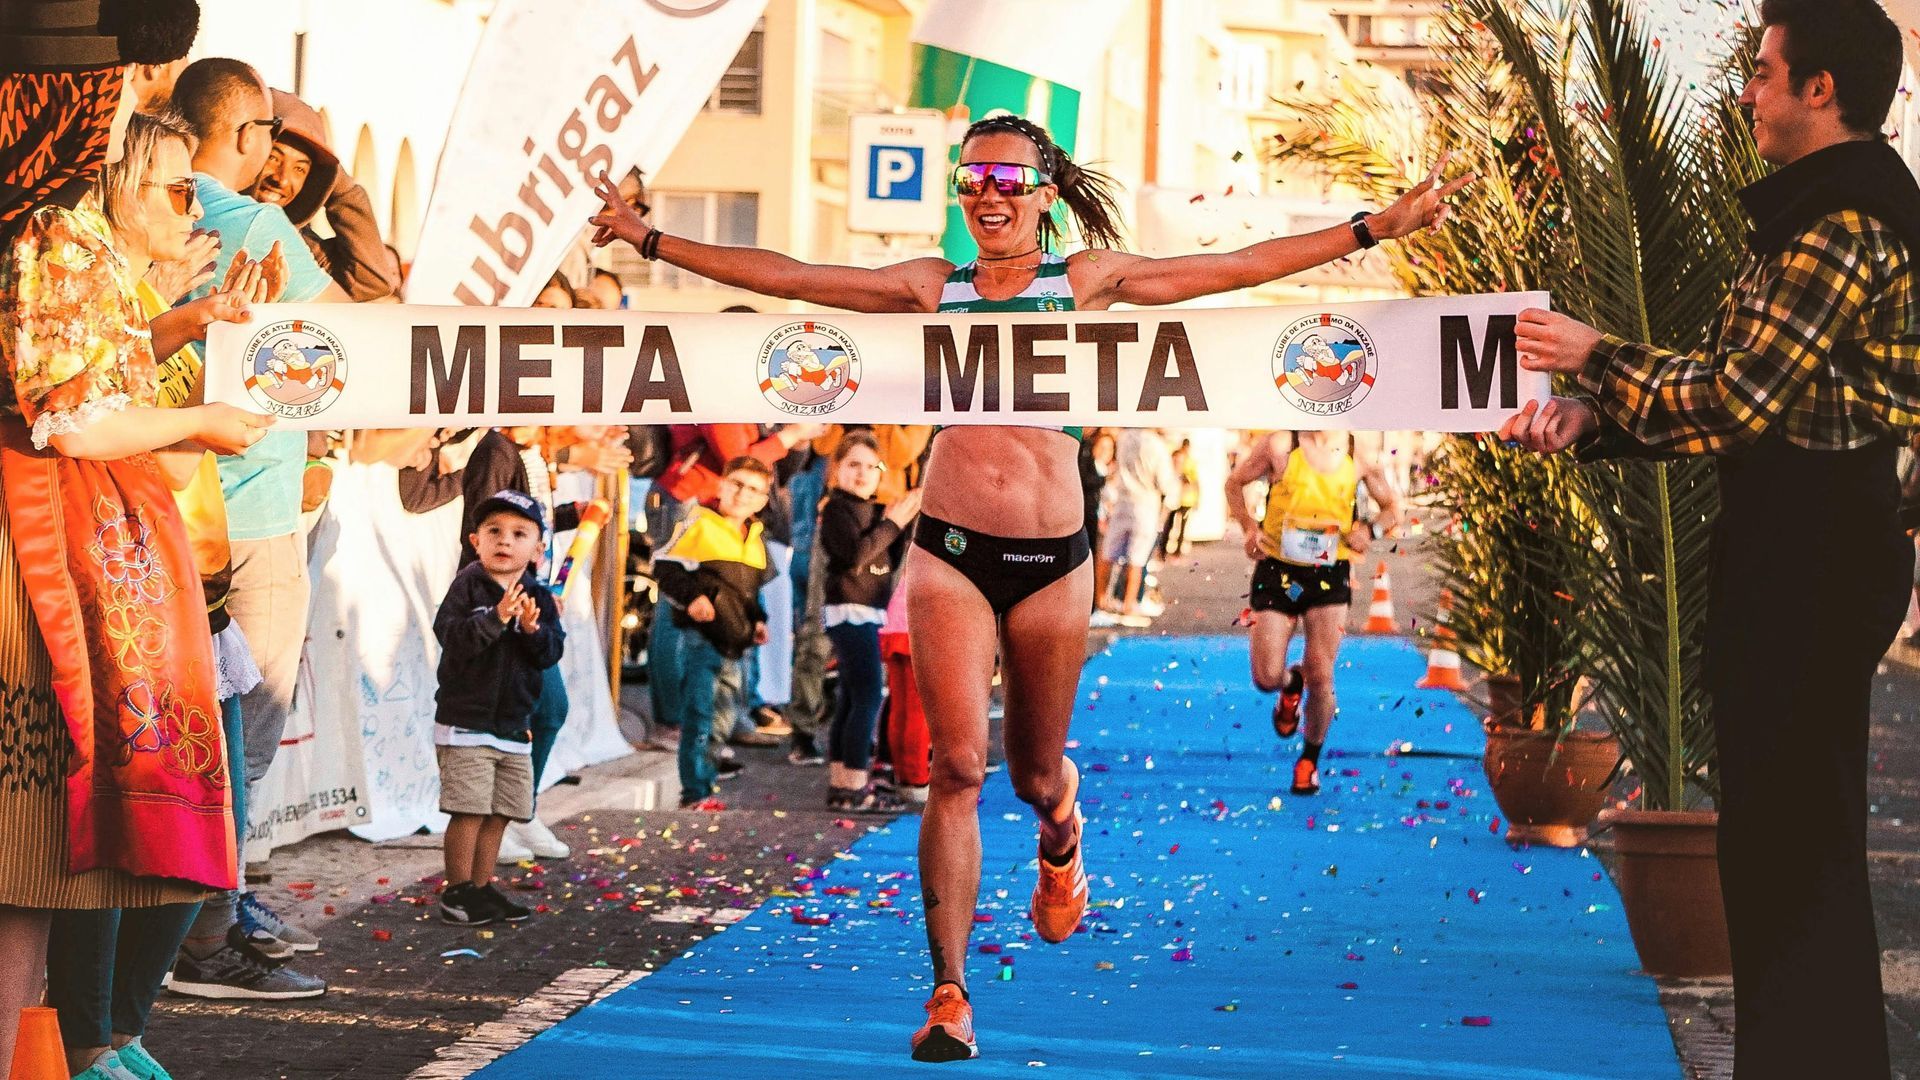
x=1364, y=235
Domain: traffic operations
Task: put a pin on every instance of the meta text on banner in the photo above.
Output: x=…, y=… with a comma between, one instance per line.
x=1435, y=364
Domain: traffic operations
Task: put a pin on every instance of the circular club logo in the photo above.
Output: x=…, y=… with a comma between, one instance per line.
x=295, y=369
x=686, y=9
x=808, y=368
x=1324, y=364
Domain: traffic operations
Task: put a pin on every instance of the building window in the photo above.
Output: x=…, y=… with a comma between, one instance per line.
x=711, y=217
x=739, y=89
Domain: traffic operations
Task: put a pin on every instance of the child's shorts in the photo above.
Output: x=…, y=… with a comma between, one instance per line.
x=481, y=780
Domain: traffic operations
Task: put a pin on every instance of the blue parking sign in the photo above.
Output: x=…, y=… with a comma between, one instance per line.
x=895, y=172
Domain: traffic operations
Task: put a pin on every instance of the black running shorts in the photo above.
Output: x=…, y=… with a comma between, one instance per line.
x=1291, y=589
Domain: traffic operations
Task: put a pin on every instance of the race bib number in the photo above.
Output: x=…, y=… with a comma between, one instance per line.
x=1310, y=547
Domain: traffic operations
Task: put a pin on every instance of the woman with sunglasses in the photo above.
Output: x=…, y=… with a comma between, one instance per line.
x=113, y=793
x=995, y=499
x=105, y=965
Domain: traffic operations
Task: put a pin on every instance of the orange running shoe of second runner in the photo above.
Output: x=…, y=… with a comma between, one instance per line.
x=1286, y=711
x=1060, y=896
x=948, y=1033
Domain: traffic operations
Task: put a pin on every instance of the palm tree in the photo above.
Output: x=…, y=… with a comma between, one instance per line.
x=1608, y=185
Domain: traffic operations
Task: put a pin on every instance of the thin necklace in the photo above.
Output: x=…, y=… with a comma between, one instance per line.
x=1006, y=258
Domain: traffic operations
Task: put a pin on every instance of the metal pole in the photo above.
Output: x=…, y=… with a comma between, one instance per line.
x=614, y=545
x=1150, y=166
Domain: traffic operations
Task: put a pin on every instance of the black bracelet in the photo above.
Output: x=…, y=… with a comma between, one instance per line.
x=1361, y=232
x=650, y=246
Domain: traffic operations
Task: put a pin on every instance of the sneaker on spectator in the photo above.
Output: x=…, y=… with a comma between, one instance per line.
x=1102, y=618
x=504, y=906
x=259, y=937
x=237, y=970
x=464, y=905
x=707, y=805
x=107, y=1066
x=1150, y=607
x=728, y=768
x=769, y=721
x=537, y=838
x=805, y=751
x=748, y=735
x=135, y=1059
x=141, y=1063
x=266, y=919
x=512, y=850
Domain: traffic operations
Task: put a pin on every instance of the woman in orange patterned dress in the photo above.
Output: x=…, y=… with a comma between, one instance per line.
x=112, y=775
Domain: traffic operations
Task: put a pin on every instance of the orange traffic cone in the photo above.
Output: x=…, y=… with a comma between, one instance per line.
x=1380, y=619
x=1443, y=663
x=37, y=1053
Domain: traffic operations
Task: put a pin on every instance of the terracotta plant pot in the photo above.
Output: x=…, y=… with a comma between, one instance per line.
x=1503, y=702
x=1669, y=879
x=1549, y=798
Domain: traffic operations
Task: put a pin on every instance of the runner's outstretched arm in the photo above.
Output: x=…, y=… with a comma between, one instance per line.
x=909, y=286
x=1120, y=278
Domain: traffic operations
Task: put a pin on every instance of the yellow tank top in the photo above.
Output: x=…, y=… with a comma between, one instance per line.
x=1309, y=512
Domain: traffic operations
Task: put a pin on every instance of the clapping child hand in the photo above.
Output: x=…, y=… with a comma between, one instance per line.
x=510, y=605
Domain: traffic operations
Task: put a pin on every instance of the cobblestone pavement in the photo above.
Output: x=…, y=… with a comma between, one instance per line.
x=413, y=997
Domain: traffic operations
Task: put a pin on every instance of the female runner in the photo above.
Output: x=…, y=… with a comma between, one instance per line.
x=1000, y=559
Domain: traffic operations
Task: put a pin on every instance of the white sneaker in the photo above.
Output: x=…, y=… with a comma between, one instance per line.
x=537, y=837
x=1150, y=607
x=511, y=850
x=1103, y=619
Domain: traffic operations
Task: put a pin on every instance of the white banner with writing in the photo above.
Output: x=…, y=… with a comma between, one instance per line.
x=558, y=95
x=1443, y=363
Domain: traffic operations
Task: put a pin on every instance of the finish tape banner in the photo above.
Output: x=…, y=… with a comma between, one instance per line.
x=1431, y=364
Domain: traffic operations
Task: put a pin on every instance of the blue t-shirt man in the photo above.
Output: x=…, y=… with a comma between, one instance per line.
x=262, y=486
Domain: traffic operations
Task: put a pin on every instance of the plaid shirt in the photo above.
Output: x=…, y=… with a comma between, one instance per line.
x=1821, y=341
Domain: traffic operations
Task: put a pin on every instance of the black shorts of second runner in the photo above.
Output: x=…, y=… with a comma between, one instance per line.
x=1292, y=590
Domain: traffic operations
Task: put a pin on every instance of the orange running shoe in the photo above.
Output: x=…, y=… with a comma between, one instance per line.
x=1060, y=896
x=1286, y=711
x=948, y=1033
x=1306, y=778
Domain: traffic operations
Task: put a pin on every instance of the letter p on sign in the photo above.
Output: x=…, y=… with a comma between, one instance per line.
x=895, y=172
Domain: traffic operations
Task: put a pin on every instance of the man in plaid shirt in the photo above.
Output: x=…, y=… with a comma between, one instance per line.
x=1803, y=392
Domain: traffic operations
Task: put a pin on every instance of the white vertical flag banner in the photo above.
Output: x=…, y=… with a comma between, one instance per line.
x=558, y=94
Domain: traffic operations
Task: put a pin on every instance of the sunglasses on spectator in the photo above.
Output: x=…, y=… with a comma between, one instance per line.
x=274, y=125
x=1008, y=178
x=179, y=192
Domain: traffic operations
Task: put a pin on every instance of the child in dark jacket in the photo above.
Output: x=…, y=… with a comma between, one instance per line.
x=499, y=629
x=710, y=577
x=862, y=542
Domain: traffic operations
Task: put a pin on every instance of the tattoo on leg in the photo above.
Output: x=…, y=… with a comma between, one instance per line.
x=930, y=899
x=939, y=960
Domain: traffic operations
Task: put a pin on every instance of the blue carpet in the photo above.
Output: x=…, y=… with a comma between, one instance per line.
x=1241, y=932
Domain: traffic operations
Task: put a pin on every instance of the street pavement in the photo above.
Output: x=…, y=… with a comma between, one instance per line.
x=411, y=997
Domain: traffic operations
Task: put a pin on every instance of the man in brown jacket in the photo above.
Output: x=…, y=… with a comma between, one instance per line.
x=303, y=176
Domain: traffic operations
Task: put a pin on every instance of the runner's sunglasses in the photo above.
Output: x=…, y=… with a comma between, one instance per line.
x=179, y=193
x=972, y=178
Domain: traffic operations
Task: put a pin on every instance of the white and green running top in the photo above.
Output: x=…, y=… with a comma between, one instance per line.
x=1048, y=291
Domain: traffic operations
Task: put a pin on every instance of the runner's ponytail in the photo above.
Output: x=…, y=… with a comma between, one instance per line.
x=1087, y=193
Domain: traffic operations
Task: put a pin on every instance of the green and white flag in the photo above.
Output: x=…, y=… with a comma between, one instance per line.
x=972, y=58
